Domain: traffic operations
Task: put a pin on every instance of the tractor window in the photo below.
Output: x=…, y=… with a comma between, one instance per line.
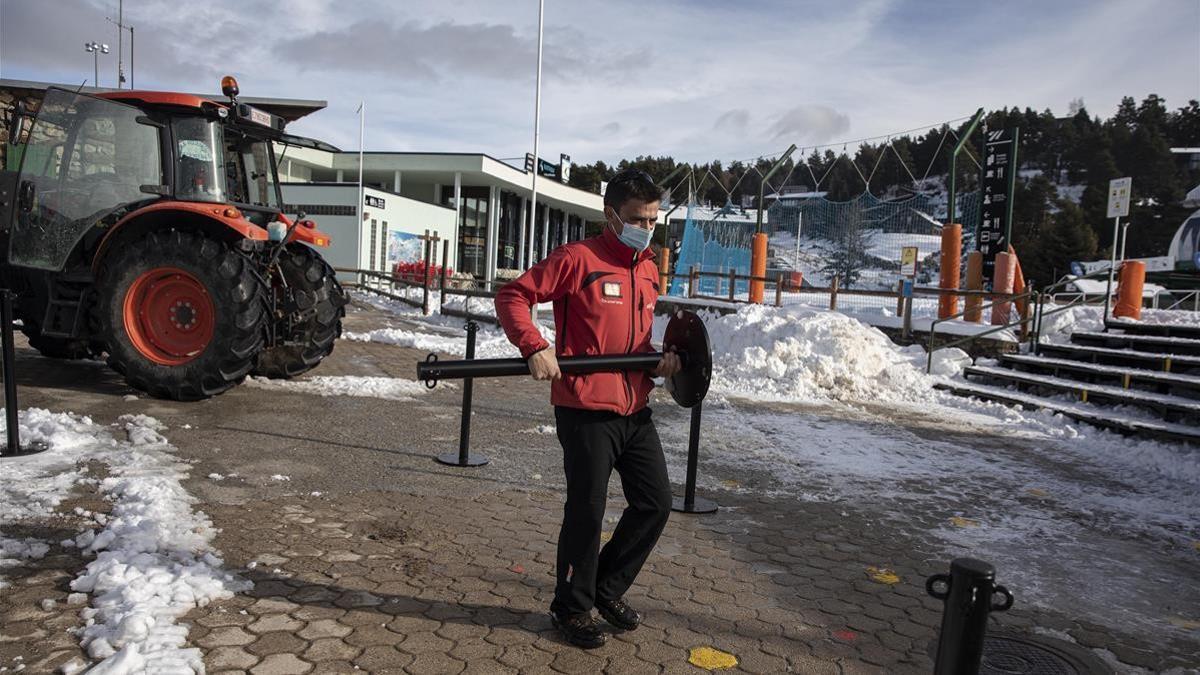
x=260, y=176
x=85, y=158
x=199, y=160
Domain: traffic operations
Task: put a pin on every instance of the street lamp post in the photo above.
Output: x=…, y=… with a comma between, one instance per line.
x=96, y=50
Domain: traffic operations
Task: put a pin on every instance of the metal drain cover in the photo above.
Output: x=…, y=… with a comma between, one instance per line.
x=1011, y=654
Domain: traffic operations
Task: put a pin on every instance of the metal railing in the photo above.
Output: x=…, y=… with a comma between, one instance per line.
x=1022, y=321
x=1048, y=293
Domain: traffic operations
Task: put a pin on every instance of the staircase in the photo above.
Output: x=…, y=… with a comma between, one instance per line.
x=1154, y=368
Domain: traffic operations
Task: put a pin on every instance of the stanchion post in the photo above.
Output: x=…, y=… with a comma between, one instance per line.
x=13, y=445
x=970, y=590
x=690, y=503
x=464, y=457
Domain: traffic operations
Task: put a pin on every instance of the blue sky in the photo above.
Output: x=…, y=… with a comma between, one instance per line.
x=697, y=79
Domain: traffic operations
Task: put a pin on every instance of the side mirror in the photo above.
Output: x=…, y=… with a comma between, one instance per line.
x=25, y=194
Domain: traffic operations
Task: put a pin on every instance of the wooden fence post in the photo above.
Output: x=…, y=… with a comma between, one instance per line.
x=900, y=298
x=732, y=284
x=779, y=290
x=833, y=291
x=442, y=276
x=693, y=281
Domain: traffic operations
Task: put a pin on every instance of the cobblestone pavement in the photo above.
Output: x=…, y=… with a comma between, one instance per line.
x=371, y=557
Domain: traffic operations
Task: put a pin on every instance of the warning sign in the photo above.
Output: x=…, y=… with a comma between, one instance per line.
x=908, y=261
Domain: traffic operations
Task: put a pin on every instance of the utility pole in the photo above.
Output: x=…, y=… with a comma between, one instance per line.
x=537, y=120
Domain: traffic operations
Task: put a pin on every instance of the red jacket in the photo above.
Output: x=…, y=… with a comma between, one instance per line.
x=603, y=297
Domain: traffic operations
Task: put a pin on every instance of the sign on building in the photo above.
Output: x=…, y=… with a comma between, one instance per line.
x=564, y=168
x=1118, y=197
x=375, y=202
x=908, y=261
x=998, y=180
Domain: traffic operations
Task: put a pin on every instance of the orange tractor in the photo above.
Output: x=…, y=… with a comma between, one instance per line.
x=150, y=226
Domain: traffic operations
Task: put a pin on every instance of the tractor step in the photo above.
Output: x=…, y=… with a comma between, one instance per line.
x=1098, y=417
x=66, y=317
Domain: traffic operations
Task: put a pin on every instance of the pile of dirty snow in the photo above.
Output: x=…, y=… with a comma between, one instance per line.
x=801, y=354
x=390, y=388
x=154, y=559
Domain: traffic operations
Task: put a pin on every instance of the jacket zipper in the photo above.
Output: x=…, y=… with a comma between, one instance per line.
x=632, y=318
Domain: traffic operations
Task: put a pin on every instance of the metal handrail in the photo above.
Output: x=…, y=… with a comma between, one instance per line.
x=1048, y=292
x=930, y=348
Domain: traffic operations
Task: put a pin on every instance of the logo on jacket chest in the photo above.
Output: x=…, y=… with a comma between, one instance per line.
x=611, y=289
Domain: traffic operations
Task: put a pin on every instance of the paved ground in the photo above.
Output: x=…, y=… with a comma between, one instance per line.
x=373, y=557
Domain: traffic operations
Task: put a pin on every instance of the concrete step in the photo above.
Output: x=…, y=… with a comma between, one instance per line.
x=1098, y=417
x=1187, y=365
x=1127, y=378
x=1176, y=409
x=1158, y=344
x=1190, y=331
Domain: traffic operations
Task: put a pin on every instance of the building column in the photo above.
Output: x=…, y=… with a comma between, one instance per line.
x=339, y=175
x=522, y=226
x=493, y=233
x=545, y=231
x=396, y=182
x=457, y=218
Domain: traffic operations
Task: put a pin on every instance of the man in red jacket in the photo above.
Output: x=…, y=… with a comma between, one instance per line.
x=603, y=290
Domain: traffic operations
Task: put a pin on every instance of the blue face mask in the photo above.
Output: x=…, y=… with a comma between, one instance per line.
x=634, y=237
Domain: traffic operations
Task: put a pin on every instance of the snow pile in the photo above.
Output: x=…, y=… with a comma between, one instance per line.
x=1057, y=328
x=154, y=560
x=490, y=341
x=390, y=388
x=810, y=355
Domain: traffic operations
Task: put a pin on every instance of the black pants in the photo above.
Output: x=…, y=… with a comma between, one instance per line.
x=594, y=443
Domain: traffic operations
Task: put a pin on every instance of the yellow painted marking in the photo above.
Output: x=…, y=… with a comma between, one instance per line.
x=710, y=658
x=1038, y=492
x=1167, y=364
x=959, y=521
x=1196, y=545
x=883, y=575
x=1125, y=380
x=1186, y=624
x=605, y=536
x=1083, y=395
x=730, y=483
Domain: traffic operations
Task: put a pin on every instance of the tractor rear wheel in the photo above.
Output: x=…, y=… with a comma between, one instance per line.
x=182, y=315
x=310, y=304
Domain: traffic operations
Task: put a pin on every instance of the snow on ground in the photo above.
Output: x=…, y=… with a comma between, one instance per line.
x=1057, y=328
x=154, y=559
x=390, y=388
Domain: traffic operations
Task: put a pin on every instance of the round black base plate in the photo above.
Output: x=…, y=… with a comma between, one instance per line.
x=27, y=449
x=700, y=505
x=1006, y=653
x=451, y=459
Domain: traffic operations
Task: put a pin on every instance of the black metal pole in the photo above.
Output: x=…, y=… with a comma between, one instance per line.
x=690, y=503
x=464, y=457
x=13, y=445
x=970, y=589
x=10, y=382
x=448, y=370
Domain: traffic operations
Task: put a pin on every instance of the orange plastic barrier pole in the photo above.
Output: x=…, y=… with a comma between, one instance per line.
x=1002, y=284
x=974, y=283
x=758, y=266
x=950, y=273
x=1019, y=283
x=664, y=271
x=1129, y=292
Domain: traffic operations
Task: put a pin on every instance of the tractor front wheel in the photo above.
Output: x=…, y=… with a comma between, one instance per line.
x=182, y=316
x=310, y=304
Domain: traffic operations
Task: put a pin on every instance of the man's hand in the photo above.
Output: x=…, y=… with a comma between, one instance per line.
x=668, y=366
x=543, y=365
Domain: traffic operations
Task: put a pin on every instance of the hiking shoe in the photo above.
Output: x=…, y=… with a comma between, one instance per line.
x=619, y=614
x=581, y=630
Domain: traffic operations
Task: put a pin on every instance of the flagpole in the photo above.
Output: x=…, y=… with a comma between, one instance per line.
x=537, y=118
x=362, y=115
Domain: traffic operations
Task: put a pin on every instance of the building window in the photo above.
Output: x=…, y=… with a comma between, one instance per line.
x=383, y=245
x=472, y=227
x=320, y=209
x=374, y=242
